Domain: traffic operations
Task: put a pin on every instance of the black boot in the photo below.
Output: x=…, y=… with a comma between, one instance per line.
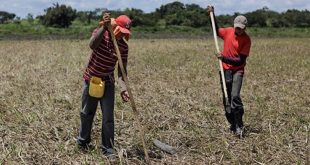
x=238, y=113
x=231, y=120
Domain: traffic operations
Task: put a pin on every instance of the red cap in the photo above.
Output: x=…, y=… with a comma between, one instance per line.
x=124, y=23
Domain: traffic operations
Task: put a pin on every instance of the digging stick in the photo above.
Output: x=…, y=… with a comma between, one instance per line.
x=220, y=63
x=133, y=104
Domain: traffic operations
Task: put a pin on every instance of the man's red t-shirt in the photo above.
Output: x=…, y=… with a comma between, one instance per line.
x=234, y=46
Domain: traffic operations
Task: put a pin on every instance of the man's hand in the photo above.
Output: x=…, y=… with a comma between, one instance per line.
x=106, y=20
x=219, y=56
x=125, y=96
x=210, y=9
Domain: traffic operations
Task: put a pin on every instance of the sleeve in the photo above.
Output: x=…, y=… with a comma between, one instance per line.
x=236, y=61
x=94, y=32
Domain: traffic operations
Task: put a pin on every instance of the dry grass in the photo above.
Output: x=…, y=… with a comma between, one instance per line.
x=176, y=87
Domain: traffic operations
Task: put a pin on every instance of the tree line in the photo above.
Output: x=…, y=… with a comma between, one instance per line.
x=175, y=14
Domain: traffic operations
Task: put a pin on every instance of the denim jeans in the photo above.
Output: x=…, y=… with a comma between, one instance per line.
x=233, y=84
x=89, y=106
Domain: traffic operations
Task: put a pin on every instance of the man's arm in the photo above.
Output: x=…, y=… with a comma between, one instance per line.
x=209, y=10
x=216, y=25
x=96, y=39
x=121, y=82
x=120, y=77
x=236, y=61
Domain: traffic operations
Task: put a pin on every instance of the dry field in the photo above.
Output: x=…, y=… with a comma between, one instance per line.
x=176, y=87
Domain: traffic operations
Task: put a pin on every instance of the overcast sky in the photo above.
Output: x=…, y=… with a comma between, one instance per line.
x=36, y=7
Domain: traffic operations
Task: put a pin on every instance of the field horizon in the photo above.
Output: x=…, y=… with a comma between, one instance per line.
x=177, y=91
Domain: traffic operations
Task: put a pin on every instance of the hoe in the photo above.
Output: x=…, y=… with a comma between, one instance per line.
x=132, y=101
x=227, y=106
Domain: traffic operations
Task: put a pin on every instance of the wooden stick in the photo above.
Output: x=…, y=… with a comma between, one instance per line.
x=220, y=61
x=169, y=149
x=133, y=104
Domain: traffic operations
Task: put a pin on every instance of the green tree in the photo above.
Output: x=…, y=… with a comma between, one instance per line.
x=257, y=18
x=195, y=16
x=6, y=16
x=86, y=16
x=60, y=16
x=136, y=16
x=303, y=19
x=297, y=18
x=170, y=9
x=225, y=20
x=176, y=13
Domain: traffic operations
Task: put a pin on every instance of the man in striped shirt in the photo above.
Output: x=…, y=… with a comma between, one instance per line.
x=102, y=64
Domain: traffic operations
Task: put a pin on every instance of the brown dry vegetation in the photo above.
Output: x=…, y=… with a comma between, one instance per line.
x=176, y=87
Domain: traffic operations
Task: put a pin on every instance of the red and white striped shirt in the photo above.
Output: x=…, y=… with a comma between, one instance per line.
x=103, y=59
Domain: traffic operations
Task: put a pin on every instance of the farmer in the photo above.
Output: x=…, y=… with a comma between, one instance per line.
x=102, y=65
x=236, y=50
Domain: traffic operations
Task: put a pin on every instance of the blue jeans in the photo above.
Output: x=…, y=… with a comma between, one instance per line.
x=89, y=106
x=233, y=83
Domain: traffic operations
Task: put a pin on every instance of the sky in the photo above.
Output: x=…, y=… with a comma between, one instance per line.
x=36, y=7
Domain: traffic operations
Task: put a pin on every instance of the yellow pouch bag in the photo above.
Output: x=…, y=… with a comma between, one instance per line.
x=96, y=87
